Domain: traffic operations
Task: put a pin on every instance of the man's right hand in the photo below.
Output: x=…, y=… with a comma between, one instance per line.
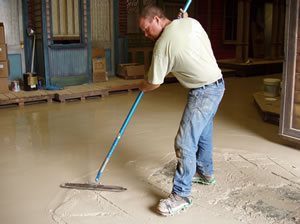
x=182, y=14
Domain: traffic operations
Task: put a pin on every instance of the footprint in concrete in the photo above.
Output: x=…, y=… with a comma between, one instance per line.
x=254, y=187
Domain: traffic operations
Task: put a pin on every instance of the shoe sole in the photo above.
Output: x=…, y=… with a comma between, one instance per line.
x=176, y=212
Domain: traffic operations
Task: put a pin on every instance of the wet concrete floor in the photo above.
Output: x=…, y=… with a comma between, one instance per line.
x=45, y=145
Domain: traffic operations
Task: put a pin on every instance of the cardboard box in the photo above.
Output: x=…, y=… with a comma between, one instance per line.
x=3, y=52
x=99, y=65
x=131, y=69
x=2, y=34
x=4, y=85
x=3, y=69
x=100, y=77
x=98, y=52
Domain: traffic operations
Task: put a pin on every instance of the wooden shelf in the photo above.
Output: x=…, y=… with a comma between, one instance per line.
x=268, y=106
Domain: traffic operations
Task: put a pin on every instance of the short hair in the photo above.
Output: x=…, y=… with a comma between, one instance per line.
x=150, y=11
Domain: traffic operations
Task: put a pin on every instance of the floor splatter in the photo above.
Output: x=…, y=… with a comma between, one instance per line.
x=253, y=187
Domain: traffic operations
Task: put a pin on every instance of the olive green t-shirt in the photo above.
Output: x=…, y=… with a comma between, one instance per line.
x=185, y=50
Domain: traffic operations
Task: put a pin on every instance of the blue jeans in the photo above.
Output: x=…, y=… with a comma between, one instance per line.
x=193, y=142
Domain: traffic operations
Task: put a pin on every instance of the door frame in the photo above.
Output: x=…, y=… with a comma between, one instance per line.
x=286, y=129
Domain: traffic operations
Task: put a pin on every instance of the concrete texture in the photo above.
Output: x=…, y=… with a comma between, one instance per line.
x=45, y=145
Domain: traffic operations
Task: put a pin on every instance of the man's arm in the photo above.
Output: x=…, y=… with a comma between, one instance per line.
x=146, y=86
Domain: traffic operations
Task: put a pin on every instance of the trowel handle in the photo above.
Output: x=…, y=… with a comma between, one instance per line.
x=117, y=139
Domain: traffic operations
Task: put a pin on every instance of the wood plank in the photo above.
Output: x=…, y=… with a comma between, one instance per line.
x=3, y=97
x=10, y=95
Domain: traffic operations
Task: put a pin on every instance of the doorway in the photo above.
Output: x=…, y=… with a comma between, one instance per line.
x=260, y=40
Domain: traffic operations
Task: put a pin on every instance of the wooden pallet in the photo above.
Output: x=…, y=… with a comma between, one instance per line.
x=121, y=88
x=119, y=85
x=99, y=89
x=82, y=92
x=25, y=97
x=269, y=107
x=131, y=77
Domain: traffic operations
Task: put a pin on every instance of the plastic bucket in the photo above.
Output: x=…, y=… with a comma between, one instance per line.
x=272, y=87
x=15, y=86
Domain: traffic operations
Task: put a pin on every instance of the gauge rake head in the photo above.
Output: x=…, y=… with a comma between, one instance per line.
x=93, y=187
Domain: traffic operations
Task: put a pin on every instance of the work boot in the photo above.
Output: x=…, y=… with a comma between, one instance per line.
x=174, y=204
x=202, y=179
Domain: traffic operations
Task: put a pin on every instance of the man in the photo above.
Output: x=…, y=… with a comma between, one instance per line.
x=183, y=48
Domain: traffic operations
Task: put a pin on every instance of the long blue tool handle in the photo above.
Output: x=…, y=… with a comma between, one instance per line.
x=187, y=5
x=117, y=139
x=185, y=8
x=131, y=112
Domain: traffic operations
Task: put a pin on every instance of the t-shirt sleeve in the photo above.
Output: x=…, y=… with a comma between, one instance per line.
x=159, y=69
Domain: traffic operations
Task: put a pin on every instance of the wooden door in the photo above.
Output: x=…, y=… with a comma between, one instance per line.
x=11, y=16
